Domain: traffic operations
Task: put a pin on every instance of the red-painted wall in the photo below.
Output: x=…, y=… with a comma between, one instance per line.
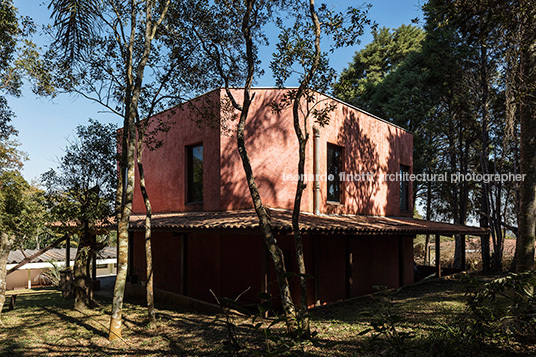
x=230, y=263
x=165, y=166
x=370, y=145
x=167, y=260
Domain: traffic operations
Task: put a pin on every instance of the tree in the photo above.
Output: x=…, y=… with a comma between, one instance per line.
x=462, y=78
x=19, y=205
x=370, y=66
x=300, y=44
x=104, y=49
x=83, y=191
x=504, y=35
x=522, y=64
x=230, y=35
x=19, y=59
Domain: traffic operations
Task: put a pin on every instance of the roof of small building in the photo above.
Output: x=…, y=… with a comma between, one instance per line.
x=55, y=255
x=281, y=221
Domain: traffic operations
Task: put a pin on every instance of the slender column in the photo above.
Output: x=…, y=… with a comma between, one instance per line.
x=438, y=255
x=316, y=258
x=349, y=267
x=94, y=267
x=463, y=261
x=67, y=251
x=401, y=261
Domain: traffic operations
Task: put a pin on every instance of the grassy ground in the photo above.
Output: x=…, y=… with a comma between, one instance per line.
x=45, y=324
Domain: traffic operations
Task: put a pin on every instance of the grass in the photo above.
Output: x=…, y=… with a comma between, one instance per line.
x=45, y=324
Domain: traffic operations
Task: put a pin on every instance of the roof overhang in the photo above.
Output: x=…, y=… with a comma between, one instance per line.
x=281, y=222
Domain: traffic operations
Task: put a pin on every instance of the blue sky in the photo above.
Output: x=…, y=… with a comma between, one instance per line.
x=45, y=125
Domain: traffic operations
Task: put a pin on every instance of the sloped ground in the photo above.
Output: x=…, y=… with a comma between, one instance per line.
x=44, y=324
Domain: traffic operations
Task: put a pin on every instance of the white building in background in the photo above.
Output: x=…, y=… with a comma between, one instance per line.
x=30, y=274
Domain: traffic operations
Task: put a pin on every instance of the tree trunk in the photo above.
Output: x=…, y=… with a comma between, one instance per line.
x=122, y=240
x=527, y=116
x=264, y=222
x=428, y=217
x=5, y=246
x=303, y=320
x=133, y=91
x=484, y=157
x=148, y=251
x=82, y=281
x=275, y=252
x=303, y=136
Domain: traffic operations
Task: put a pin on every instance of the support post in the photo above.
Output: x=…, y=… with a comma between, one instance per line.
x=349, y=267
x=401, y=261
x=462, y=237
x=438, y=255
x=67, y=251
x=94, y=267
x=316, y=258
x=264, y=272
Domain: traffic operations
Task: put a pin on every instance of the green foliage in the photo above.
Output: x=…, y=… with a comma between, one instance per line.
x=19, y=58
x=273, y=342
x=386, y=324
x=371, y=65
x=506, y=306
x=93, y=48
x=83, y=189
x=23, y=213
x=51, y=275
x=499, y=313
x=295, y=50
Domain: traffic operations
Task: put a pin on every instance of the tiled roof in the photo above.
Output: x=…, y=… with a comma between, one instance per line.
x=281, y=220
x=55, y=254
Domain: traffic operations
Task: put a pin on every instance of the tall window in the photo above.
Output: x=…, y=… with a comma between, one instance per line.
x=404, y=188
x=194, y=172
x=334, y=169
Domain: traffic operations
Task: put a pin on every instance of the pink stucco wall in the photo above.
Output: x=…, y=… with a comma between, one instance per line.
x=370, y=146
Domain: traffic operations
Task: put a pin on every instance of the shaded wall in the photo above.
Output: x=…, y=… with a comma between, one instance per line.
x=230, y=263
x=369, y=146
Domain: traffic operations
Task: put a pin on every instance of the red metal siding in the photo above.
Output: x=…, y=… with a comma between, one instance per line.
x=203, y=271
x=167, y=263
x=375, y=262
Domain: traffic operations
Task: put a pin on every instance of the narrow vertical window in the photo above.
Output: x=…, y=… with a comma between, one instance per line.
x=404, y=188
x=334, y=161
x=194, y=172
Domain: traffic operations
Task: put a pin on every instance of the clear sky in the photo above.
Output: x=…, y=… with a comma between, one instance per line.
x=44, y=125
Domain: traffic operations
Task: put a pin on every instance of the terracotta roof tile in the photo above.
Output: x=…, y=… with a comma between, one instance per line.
x=281, y=220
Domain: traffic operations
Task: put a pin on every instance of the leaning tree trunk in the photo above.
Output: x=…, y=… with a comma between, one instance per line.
x=264, y=222
x=148, y=250
x=303, y=136
x=5, y=246
x=275, y=252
